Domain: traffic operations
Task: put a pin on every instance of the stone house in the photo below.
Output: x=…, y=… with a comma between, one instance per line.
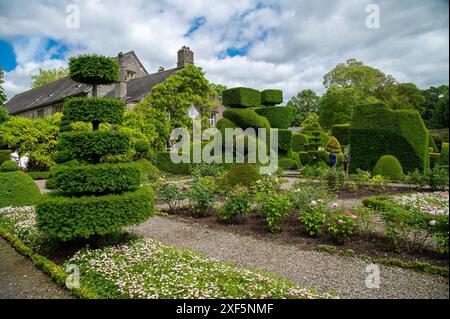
x=134, y=85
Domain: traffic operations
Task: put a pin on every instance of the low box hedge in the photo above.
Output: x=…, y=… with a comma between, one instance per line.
x=5, y=155
x=241, y=97
x=67, y=218
x=101, y=110
x=271, y=97
x=164, y=163
x=97, y=179
x=92, y=145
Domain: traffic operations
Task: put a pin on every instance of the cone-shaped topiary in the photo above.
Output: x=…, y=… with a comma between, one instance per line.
x=333, y=146
x=95, y=198
x=389, y=166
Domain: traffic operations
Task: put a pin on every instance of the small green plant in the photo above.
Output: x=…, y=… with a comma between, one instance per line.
x=302, y=195
x=171, y=194
x=335, y=180
x=417, y=178
x=9, y=166
x=341, y=226
x=236, y=207
x=366, y=220
x=313, y=222
x=327, y=249
x=438, y=178
x=276, y=207
x=201, y=197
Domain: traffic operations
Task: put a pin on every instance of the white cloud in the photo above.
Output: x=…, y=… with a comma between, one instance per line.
x=291, y=43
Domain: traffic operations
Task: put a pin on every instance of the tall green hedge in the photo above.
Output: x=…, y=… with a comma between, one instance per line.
x=94, y=110
x=17, y=189
x=284, y=141
x=299, y=142
x=342, y=133
x=278, y=116
x=444, y=155
x=271, y=97
x=241, y=97
x=377, y=130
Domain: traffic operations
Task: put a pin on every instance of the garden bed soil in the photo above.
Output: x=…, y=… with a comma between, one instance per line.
x=293, y=233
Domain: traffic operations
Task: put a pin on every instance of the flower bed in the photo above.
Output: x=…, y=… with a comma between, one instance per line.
x=144, y=268
x=435, y=203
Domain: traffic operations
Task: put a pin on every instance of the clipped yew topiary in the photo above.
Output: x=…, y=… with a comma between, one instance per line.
x=243, y=174
x=17, y=189
x=278, y=116
x=389, y=166
x=9, y=166
x=271, y=97
x=93, y=198
x=333, y=146
x=241, y=97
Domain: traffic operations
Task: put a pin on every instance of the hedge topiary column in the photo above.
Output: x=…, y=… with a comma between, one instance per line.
x=95, y=198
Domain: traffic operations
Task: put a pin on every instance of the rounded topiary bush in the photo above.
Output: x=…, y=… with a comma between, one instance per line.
x=9, y=166
x=287, y=163
x=17, y=189
x=244, y=174
x=149, y=172
x=94, y=69
x=333, y=146
x=388, y=166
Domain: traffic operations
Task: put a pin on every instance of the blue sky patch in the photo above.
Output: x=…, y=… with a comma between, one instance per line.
x=195, y=25
x=7, y=56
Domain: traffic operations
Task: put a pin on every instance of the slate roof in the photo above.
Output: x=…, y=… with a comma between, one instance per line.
x=140, y=87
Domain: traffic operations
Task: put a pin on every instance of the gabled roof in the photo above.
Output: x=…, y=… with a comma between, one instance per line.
x=125, y=55
x=46, y=94
x=140, y=87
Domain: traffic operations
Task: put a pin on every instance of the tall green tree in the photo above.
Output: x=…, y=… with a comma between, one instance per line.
x=436, y=107
x=365, y=79
x=47, y=76
x=408, y=96
x=306, y=101
x=218, y=90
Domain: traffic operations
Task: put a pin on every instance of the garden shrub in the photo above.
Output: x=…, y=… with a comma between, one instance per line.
x=39, y=175
x=443, y=160
x=341, y=226
x=377, y=130
x=68, y=218
x=9, y=166
x=213, y=169
x=94, y=69
x=201, y=197
x=296, y=158
x=165, y=164
x=5, y=155
x=284, y=141
x=279, y=116
x=149, y=172
x=342, y=133
x=302, y=195
x=438, y=178
x=17, y=189
x=287, y=163
x=142, y=148
x=275, y=208
x=241, y=97
x=333, y=146
x=100, y=110
x=434, y=159
x=313, y=217
x=245, y=118
x=244, y=174
x=97, y=179
x=236, y=207
x=91, y=146
x=335, y=179
x=388, y=166
x=271, y=97
x=171, y=194
x=299, y=142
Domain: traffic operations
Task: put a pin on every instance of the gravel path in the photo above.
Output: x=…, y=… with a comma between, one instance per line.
x=344, y=275
x=19, y=279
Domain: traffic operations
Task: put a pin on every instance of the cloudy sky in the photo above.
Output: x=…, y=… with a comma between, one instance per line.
x=286, y=44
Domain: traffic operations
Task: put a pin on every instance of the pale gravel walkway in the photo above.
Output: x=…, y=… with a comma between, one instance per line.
x=309, y=269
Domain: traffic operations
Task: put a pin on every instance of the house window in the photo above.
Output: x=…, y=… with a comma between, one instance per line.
x=130, y=75
x=212, y=120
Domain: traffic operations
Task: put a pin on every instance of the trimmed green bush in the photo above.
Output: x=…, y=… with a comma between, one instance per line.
x=278, y=116
x=333, y=146
x=444, y=155
x=92, y=145
x=98, y=179
x=5, y=155
x=287, y=163
x=225, y=123
x=39, y=175
x=244, y=174
x=377, y=130
x=94, y=69
x=299, y=142
x=149, y=172
x=17, y=189
x=296, y=157
x=68, y=218
x=342, y=133
x=101, y=110
x=9, y=166
x=389, y=166
x=434, y=159
x=271, y=97
x=284, y=141
x=245, y=118
x=165, y=164
x=241, y=97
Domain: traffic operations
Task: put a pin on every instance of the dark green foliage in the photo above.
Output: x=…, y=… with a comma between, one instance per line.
x=244, y=174
x=287, y=163
x=92, y=145
x=444, y=155
x=94, y=69
x=39, y=175
x=296, y=158
x=165, y=164
x=241, y=97
x=278, y=116
x=434, y=159
x=342, y=133
x=149, y=172
x=284, y=141
x=68, y=218
x=432, y=144
x=17, y=189
x=9, y=166
x=271, y=97
x=99, y=110
x=389, y=166
x=377, y=131
x=299, y=142
x=245, y=118
x=97, y=179
x=142, y=148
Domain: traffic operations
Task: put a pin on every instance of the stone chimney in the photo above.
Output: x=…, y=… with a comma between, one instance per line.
x=120, y=90
x=185, y=57
x=161, y=69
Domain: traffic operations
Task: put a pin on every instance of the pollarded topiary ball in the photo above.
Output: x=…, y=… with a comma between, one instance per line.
x=333, y=146
x=17, y=189
x=388, y=166
x=94, y=69
x=271, y=97
x=244, y=174
x=100, y=110
x=9, y=166
x=241, y=97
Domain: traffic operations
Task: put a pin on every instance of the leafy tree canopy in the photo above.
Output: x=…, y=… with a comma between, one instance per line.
x=47, y=76
x=408, y=96
x=306, y=101
x=436, y=107
x=218, y=90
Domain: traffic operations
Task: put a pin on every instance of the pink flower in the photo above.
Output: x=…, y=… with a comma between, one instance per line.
x=334, y=205
x=320, y=201
x=432, y=222
x=354, y=216
x=340, y=221
x=313, y=203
